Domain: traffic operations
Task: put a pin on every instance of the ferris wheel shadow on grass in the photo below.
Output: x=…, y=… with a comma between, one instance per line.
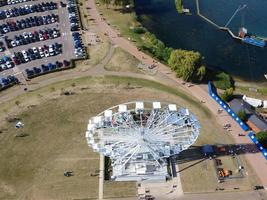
x=202, y=153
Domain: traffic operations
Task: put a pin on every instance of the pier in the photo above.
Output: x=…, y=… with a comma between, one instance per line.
x=216, y=25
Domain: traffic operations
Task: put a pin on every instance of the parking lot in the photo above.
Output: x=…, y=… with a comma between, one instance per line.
x=38, y=36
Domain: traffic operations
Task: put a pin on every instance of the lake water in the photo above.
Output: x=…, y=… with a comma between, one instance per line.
x=219, y=50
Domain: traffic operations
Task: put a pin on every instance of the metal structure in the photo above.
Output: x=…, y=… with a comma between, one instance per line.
x=140, y=136
x=241, y=7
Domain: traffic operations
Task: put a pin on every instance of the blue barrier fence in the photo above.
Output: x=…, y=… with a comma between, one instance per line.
x=213, y=93
x=252, y=136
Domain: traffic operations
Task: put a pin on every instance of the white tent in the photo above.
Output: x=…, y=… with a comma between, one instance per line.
x=253, y=102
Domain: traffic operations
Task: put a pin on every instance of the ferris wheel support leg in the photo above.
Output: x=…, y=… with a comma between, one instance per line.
x=101, y=177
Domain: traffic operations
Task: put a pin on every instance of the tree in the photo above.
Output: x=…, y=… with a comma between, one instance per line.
x=122, y=3
x=262, y=138
x=242, y=115
x=106, y=2
x=201, y=72
x=223, y=81
x=185, y=64
x=228, y=94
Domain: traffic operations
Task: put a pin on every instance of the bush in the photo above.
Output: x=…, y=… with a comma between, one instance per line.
x=223, y=81
x=201, y=73
x=242, y=115
x=228, y=94
x=139, y=30
x=156, y=47
x=262, y=138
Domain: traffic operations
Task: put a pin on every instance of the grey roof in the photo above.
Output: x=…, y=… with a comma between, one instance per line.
x=238, y=104
x=258, y=121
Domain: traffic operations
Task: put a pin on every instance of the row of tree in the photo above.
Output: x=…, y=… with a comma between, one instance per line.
x=188, y=65
x=121, y=3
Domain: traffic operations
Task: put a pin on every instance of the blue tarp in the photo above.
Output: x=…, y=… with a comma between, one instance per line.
x=254, y=41
x=207, y=149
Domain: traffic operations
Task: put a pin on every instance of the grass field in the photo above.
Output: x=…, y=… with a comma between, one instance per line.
x=122, y=21
x=32, y=167
x=123, y=62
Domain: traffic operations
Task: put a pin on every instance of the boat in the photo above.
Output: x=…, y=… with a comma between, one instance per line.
x=246, y=38
x=254, y=41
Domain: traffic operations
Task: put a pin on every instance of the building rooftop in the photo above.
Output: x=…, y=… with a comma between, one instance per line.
x=238, y=104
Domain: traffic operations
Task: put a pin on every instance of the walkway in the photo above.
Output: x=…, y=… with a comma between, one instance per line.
x=101, y=177
x=164, y=75
x=256, y=160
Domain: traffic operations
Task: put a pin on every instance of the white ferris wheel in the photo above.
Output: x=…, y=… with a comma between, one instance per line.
x=139, y=137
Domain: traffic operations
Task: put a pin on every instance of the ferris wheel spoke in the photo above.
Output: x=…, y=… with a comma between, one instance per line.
x=162, y=121
x=131, y=152
x=136, y=139
x=159, y=130
x=155, y=155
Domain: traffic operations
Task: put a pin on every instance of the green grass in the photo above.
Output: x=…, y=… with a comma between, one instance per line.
x=33, y=166
x=122, y=21
x=119, y=189
x=244, y=90
x=163, y=88
x=123, y=62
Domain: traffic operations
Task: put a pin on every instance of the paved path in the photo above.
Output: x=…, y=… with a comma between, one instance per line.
x=165, y=76
x=256, y=160
x=101, y=178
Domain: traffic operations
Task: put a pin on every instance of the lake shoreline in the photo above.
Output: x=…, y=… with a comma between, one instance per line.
x=231, y=56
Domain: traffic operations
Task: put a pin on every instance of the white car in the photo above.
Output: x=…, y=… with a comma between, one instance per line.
x=41, y=37
x=13, y=43
x=46, y=54
x=3, y=66
x=55, y=34
x=41, y=54
x=26, y=59
x=25, y=35
x=5, y=29
x=51, y=51
x=8, y=65
x=34, y=50
x=24, y=53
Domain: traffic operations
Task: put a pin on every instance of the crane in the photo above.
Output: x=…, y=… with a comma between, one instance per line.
x=240, y=7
